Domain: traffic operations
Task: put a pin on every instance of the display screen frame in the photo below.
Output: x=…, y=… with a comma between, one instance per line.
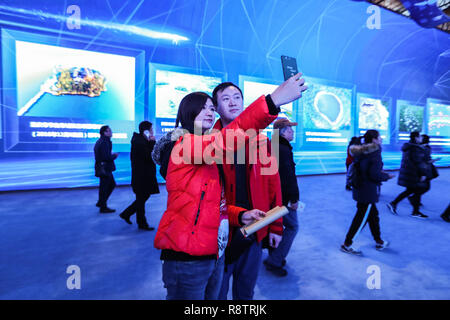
x=331, y=146
x=402, y=136
x=441, y=142
x=12, y=141
x=261, y=80
x=161, y=125
x=361, y=131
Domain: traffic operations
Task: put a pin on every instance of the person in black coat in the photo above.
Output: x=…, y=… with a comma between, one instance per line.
x=367, y=158
x=143, y=174
x=290, y=194
x=415, y=174
x=104, y=167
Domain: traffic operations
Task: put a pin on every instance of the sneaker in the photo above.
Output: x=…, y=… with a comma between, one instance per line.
x=382, y=246
x=419, y=215
x=393, y=208
x=278, y=271
x=445, y=218
x=349, y=249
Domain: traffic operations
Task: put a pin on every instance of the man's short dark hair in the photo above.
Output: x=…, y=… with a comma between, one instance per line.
x=144, y=125
x=371, y=135
x=413, y=135
x=222, y=87
x=103, y=129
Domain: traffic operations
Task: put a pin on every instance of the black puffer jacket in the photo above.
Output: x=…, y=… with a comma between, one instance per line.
x=414, y=166
x=371, y=170
x=286, y=169
x=143, y=169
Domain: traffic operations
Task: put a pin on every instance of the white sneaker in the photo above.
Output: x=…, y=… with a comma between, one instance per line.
x=382, y=246
x=350, y=250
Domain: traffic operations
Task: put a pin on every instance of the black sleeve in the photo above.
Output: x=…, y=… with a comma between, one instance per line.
x=152, y=145
x=104, y=153
x=273, y=109
x=288, y=178
x=376, y=173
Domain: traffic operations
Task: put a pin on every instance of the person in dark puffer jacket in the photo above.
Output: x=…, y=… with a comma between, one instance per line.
x=143, y=174
x=368, y=156
x=415, y=175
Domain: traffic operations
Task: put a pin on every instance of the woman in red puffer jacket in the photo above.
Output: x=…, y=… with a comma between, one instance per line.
x=193, y=231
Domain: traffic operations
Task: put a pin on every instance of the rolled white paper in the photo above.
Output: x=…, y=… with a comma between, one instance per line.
x=270, y=217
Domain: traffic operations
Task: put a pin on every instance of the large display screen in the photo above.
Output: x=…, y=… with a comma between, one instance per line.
x=410, y=117
x=326, y=113
x=169, y=85
x=253, y=88
x=438, y=122
x=374, y=113
x=63, y=94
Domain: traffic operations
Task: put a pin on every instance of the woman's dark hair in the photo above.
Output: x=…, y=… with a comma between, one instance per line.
x=144, y=125
x=103, y=129
x=413, y=135
x=222, y=87
x=425, y=139
x=370, y=135
x=355, y=140
x=189, y=108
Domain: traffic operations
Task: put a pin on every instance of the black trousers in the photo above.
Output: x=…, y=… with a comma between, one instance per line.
x=107, y=185
x=364, y=215
x=416, y=197
x=138, y=207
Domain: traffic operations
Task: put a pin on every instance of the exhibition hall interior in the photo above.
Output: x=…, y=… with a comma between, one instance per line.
x=69, y=68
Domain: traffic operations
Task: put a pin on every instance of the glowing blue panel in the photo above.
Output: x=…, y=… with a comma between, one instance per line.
x=374, y=113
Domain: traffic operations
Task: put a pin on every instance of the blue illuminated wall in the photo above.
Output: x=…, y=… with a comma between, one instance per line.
x=330, y=39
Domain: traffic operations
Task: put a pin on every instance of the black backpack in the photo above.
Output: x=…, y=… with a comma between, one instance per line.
x=354, y=175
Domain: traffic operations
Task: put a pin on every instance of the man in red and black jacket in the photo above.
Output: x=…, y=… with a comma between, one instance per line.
x=247, y=187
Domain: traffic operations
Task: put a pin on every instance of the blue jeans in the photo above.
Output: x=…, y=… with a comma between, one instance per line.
x=290, y=222
x=245, y=273
x=193, y=280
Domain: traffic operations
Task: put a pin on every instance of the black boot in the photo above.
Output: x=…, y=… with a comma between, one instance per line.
x=127, y=219
x=146, y=228
x=107, y=210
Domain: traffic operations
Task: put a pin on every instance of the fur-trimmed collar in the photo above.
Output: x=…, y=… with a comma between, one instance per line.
x=358, y=150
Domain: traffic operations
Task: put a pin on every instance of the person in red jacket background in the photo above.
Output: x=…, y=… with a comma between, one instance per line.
x=248, y=187
x=193, y=231
x=349, y=160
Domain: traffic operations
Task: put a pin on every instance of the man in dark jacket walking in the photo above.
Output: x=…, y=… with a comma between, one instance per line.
x=370, y=167
x=415, y=175
x=104, y=164
x=143, y=174
x=290, y=194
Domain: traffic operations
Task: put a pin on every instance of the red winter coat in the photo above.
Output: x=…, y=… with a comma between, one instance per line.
x=264, y=190
x=191, y=222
